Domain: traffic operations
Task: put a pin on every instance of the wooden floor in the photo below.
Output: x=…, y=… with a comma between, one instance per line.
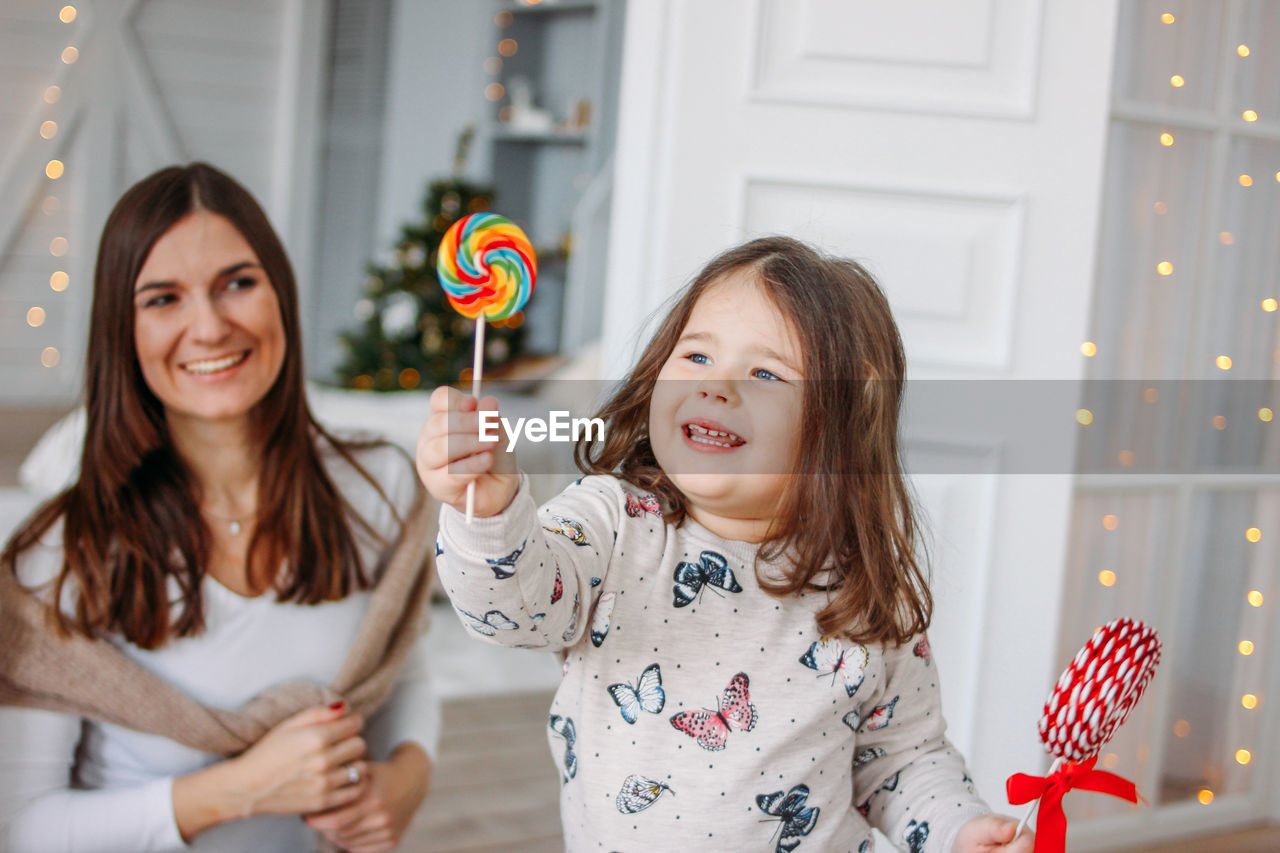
x=495, y=788
x=1262, y=840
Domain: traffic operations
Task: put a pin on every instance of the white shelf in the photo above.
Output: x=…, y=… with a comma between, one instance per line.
x=548, y=7
x=560, y=137
x=568, y=52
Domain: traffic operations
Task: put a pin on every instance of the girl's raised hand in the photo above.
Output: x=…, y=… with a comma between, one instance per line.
x=450, y=454
x=993, y=832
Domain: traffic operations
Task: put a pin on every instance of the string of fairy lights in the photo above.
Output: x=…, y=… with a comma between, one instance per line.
x=1254, y=598
x=54, y=170
x=494, y=91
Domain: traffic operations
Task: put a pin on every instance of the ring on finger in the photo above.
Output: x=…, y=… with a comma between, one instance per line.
x=353, y=773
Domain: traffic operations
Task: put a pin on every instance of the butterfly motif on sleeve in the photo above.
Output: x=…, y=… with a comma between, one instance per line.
x=711, y=728
x=796, y=819
x=852, y=719
x=557, y=588
x=866, y=756
x=505, y=567
x=828, y=656
x=880, y=716
x=646, y=695
x=493, y=622
x=866, y=846
x=569, y=529
x=890, y=784
x=712, y=570
x=439, y=548
x=564, y=727
x=638, y=506
x=916, y=835
x=573, y=621
x=923, y=650
x=638, y=793
x=600, y=619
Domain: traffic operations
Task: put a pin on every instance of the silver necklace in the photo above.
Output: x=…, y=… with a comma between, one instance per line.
x=233, y=524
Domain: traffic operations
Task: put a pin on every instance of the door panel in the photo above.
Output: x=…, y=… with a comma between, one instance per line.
x=955, y=148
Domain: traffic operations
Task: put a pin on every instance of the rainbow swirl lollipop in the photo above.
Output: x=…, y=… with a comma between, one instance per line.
x=486, y=266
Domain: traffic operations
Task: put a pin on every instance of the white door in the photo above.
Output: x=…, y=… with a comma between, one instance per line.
x=99, y=93
x=956, y=147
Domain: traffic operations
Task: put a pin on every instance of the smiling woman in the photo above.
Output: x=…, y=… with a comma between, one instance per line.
x=210, y=345
x=222, y=551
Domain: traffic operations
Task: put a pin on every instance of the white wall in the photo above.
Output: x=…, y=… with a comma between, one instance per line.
x=435, y=86
x=155, y=83
x=390, y=132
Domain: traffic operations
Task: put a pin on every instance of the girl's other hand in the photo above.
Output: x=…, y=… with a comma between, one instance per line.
x=451, y=455
x=300, y=766
x=378, y=819
x=993, y=832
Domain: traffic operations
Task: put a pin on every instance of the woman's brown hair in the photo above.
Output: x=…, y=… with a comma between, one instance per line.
x=132, y=522
x=849, y=510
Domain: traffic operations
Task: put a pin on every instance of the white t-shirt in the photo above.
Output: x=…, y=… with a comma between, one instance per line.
x=121, y=799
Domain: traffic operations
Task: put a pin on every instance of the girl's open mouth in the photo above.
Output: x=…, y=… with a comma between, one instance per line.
x=705, y=438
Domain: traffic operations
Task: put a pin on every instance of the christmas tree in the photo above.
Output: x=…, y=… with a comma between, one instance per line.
x=409, y=335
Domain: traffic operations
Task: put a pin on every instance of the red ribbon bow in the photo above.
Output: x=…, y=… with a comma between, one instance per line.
x=1051, y=828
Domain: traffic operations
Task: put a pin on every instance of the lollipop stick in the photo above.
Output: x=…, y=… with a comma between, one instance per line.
x=1032, y=808
x=477, y=365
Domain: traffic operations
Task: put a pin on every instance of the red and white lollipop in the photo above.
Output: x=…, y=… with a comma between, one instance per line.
x=1098, y=689
x=1092, y=698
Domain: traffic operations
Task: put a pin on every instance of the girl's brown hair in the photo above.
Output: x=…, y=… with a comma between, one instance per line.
x=847, y=520
x=132, y=521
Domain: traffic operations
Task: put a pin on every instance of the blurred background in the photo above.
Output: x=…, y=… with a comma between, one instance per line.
x=1085, y=194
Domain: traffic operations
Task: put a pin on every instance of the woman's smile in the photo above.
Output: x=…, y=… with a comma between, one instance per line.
x=216, y=368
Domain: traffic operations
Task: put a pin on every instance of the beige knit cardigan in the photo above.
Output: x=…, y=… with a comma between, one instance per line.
x=91, y=678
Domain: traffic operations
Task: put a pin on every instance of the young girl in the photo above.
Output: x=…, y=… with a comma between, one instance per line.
x=734, y=584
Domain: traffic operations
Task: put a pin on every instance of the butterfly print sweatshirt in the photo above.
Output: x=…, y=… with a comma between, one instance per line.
x=697, y=711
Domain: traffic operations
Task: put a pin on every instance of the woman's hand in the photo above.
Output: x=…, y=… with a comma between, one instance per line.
x=378, y=819
x=992, y=832
x=296, y=768
x=451, y=455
